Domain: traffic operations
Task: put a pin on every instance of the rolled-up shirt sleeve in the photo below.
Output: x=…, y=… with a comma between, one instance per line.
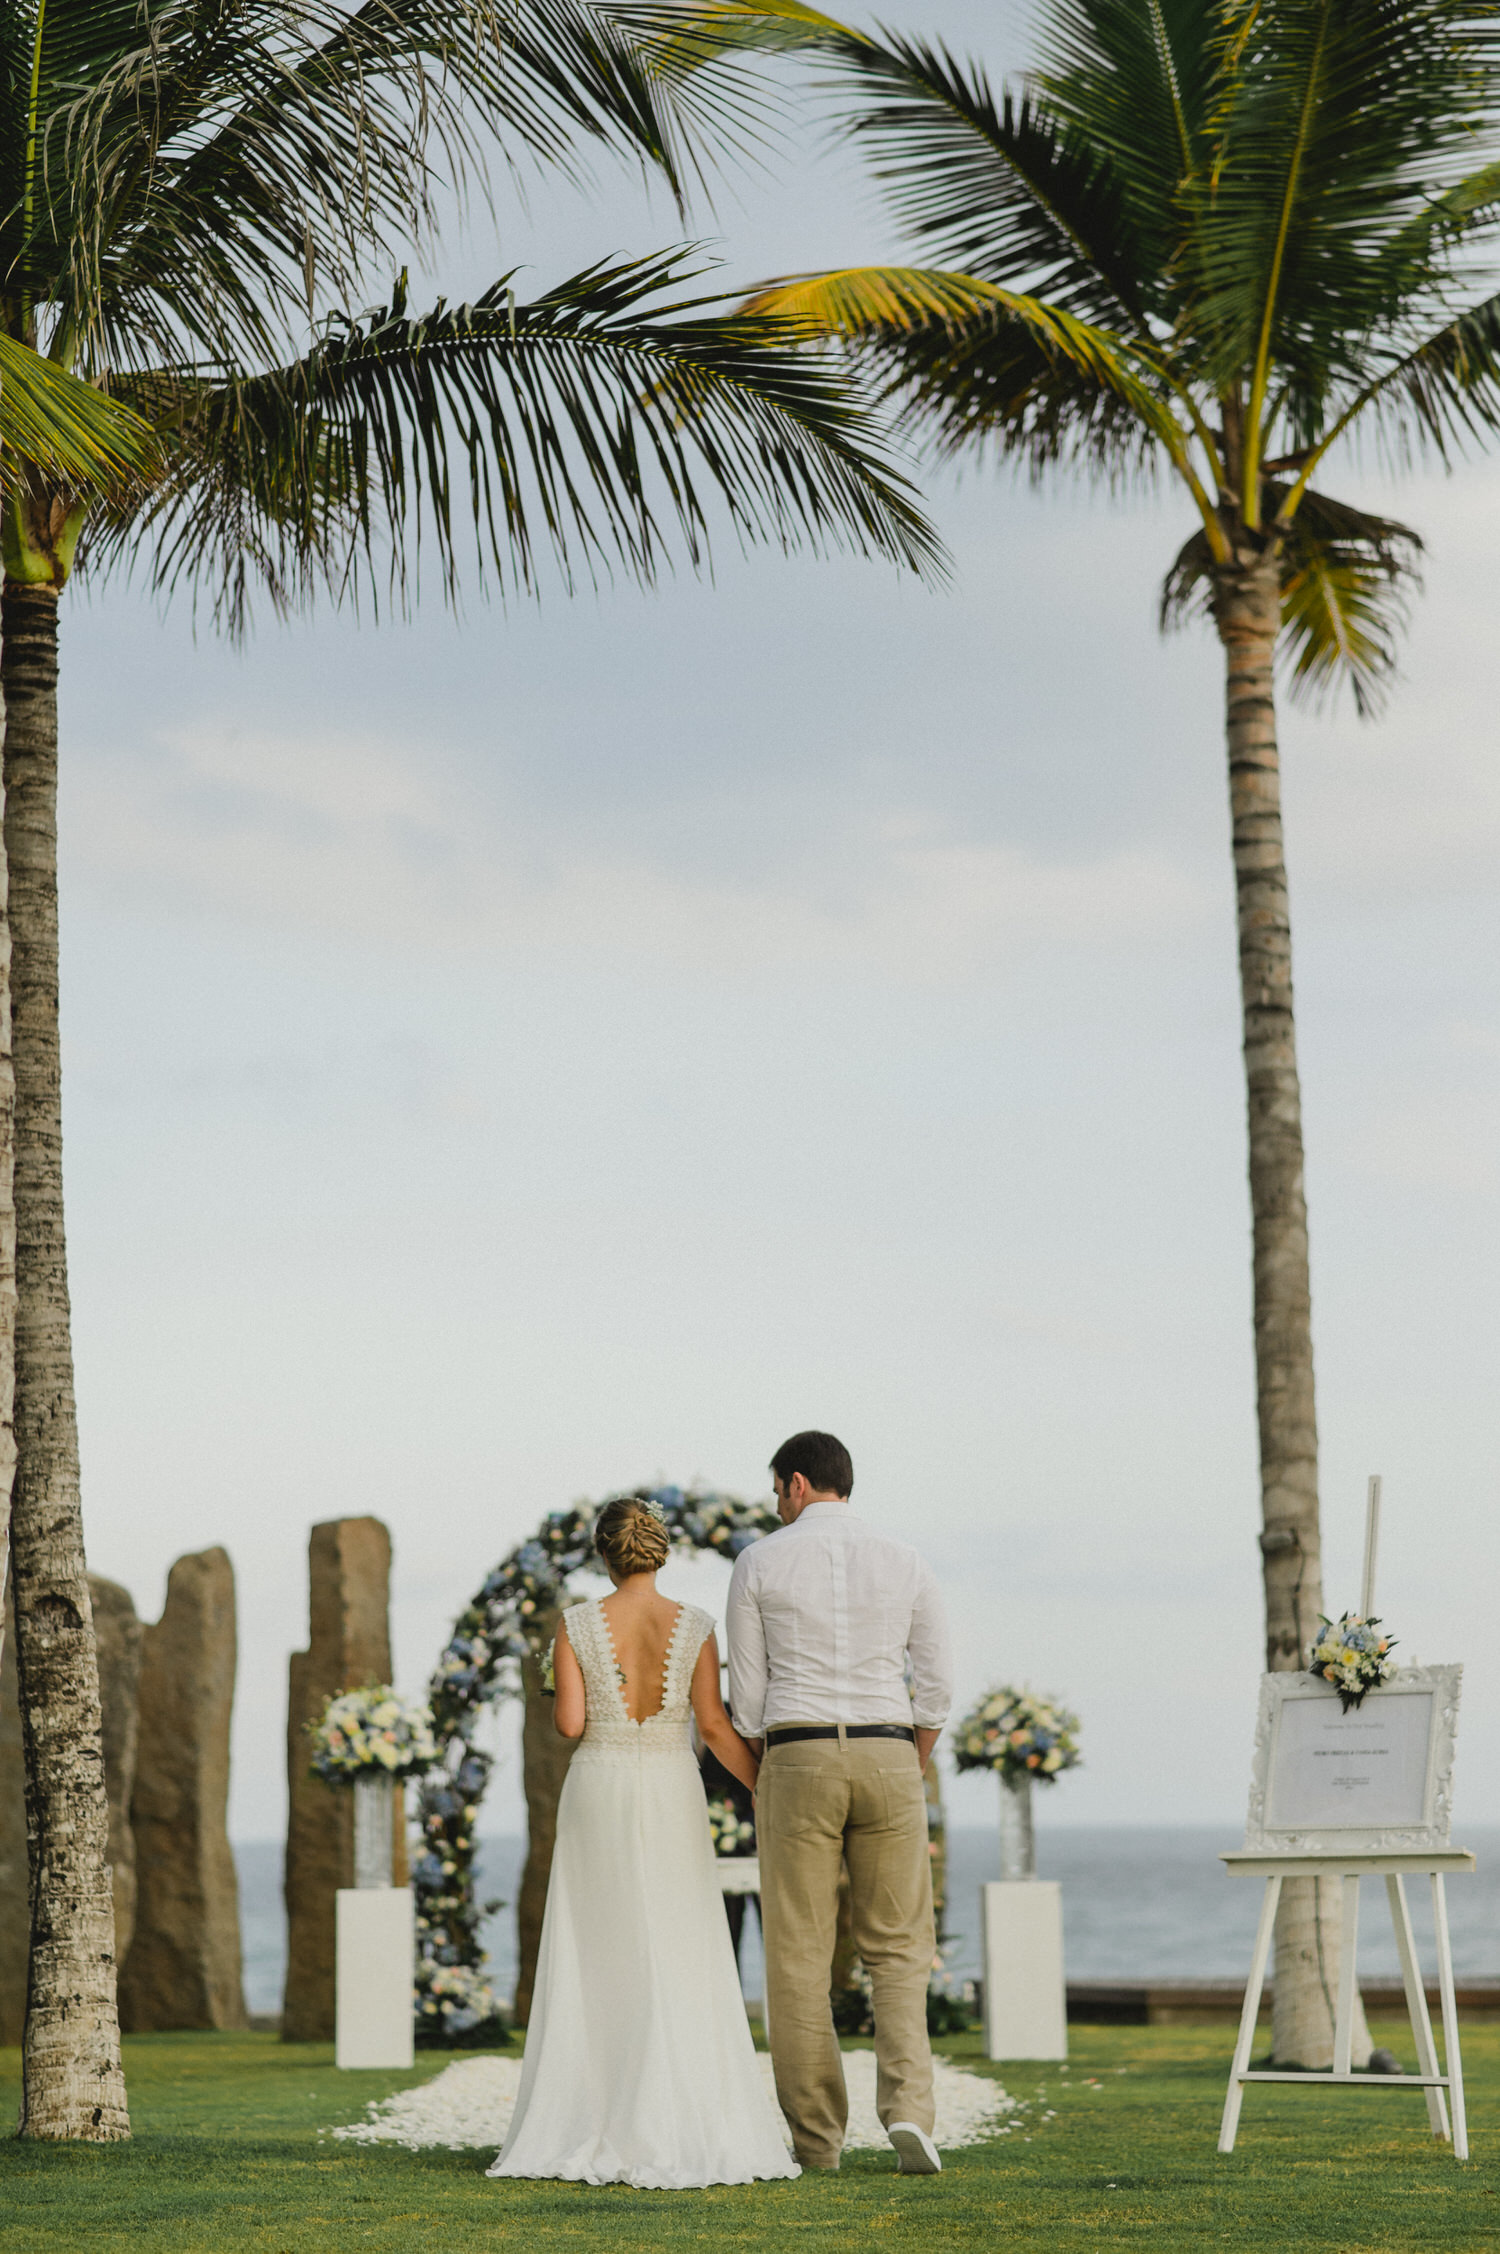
x=931, y=1661
x=745, y=1633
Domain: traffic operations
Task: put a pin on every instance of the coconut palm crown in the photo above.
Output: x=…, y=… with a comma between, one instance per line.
x=211, y=209
x=1211, y=240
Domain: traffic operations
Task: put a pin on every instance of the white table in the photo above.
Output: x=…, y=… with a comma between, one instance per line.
x=1395, y=1868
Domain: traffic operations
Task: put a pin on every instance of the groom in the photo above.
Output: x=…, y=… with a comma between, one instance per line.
x=824, y=1618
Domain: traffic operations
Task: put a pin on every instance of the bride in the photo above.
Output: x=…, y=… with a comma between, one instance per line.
x=639, y=2066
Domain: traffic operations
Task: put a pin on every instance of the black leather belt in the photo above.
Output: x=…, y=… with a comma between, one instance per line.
x=831, y=1729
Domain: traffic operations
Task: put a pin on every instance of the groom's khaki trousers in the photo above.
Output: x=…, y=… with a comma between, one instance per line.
x=821, y=1803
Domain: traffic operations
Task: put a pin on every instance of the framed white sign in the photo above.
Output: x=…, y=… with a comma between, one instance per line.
x=1377, y=1778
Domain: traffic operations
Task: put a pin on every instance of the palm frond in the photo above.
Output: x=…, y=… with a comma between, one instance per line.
x=54, y=426
x=996, y=188
x=236, y=161
x=596, y=422
x=1346, y=579
x=1448, y=386
x=993, y=186
x=991, y=383
x=1339, y=121
x=1138, y=83
x=878, y=306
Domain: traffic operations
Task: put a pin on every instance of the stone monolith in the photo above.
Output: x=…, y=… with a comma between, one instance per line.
x=348, y=1646
x=117, y=1637
x=183, y=1968
x=544, y=1764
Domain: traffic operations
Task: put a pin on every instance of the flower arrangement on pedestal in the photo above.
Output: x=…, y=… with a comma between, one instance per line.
x=1352, y=1654
x=372, y=1732
x=1026, y=1740
x=372, y=1740
x=1018, y=1735
x=731, y=1833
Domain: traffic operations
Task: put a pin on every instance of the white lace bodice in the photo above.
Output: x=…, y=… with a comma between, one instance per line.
x=609, y=1733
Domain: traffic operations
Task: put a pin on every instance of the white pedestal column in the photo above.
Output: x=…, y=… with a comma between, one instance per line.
x=1025, y=1997
x=376, y=1937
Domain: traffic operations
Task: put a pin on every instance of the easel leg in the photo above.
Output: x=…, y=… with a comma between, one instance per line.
x=1416, y=2000
x=1343, y=2025
x=1248, y=2016
x=1450, y=2018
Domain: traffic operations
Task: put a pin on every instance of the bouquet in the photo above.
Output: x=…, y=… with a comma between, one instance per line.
x=372, y=1732
x=731, y=1833
x=1351, y=1654
x=1018, y=1735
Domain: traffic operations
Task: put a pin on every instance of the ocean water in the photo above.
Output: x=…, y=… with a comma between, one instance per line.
x=1147, y=1903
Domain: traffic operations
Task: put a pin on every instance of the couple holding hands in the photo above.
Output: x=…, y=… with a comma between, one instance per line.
x=639, y=2064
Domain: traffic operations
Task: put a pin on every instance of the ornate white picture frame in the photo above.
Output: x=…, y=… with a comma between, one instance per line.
x=1377, y=1779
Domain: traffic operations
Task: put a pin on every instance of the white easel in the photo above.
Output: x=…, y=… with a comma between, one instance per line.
x=1351, y=1867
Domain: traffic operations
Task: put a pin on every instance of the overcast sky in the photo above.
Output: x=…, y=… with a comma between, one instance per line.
x=510, y=1058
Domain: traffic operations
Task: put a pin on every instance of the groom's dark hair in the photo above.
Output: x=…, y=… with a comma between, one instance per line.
x=825, y=1463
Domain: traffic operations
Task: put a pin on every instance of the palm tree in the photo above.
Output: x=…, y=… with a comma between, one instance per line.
x=1214, y=238
x=194, y=198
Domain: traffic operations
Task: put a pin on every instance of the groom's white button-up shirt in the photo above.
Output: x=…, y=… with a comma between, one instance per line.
x=825, y=1618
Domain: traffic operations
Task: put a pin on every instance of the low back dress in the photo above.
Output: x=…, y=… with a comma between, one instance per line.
x=639, y=2066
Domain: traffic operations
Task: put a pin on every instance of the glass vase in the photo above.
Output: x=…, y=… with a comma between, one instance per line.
x=374, y=1829
x=1017, y=1837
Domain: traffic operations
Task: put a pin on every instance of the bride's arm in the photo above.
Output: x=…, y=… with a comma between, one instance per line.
x=569, y=1711
x=717, y=1731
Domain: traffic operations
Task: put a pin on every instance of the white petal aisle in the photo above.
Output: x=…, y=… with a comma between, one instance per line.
x=471, y=2101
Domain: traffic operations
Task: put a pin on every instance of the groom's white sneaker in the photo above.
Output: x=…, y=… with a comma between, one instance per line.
x=915, y=2150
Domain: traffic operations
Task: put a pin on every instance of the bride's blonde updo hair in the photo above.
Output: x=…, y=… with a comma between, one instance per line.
x=631, y=1537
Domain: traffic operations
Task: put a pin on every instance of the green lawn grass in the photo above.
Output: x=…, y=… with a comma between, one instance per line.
x=1116, y=2150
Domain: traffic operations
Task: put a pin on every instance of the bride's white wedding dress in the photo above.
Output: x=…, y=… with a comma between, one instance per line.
x=639, y=2066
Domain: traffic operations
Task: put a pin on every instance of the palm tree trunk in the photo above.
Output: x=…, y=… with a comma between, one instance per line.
x=7, y=1238
x=73, y=2086
x=1247, y=611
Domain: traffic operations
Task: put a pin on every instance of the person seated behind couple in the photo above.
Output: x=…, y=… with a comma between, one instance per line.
x=639, y=2065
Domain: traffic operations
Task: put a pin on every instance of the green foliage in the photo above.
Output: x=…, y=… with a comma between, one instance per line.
x=1343, y=575
x=203, y=201
x=589, y=420
x=1116, y=2153
x=1264, y=219
x=66, y=430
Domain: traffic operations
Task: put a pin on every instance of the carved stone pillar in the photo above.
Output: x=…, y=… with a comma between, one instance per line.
x=349, y=1646
x=117, y=1635
x=183, y=1969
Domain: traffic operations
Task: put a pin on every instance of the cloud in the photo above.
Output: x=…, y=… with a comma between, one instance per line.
x=350, y=835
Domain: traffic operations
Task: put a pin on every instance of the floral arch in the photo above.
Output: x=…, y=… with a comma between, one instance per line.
x=506, y=1622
